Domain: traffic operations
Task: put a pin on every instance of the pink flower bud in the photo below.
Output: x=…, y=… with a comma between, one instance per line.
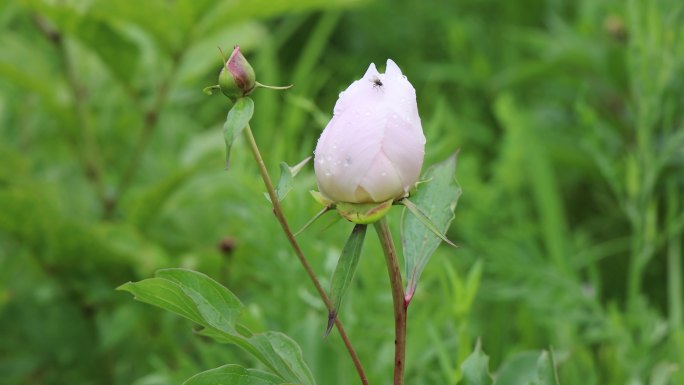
x=372, y=149
x=237, y=77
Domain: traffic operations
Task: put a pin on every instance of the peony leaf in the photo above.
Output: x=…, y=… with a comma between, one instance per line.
x=546, y=370
x=425, y=220
x=190, y=294
x=344, y=271
x=476, y=368
x=237, y=119
x=235, y=375
x=278, y=352
x=204, y=301
x=518, y=369
x=432, y=207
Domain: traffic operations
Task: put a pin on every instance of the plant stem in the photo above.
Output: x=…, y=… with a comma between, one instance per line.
x=400, y=305
x=674, y=261
x=150, y=120
x=278, y=211
x=83, y=142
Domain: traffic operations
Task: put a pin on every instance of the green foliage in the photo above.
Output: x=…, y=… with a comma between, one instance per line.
x=476, y=368
x=344, y=271
x=204, y=301
x=431, y=212
x=568, y=119
x=286, y=180
x=237, y=119
x=232, y=374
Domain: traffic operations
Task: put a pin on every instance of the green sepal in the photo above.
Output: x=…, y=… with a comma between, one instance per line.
x=322, y=199
x=363, y=213
x=312, y=220
x=286, y=180
x=210, y=89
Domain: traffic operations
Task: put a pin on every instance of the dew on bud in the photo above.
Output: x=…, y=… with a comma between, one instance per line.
x=382, y=135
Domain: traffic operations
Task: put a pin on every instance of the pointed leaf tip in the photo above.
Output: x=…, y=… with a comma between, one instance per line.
x=431, y=210
x=332, y=316
x=345, y=269
x=237, y=119
x=476, y=368
x=286, y=181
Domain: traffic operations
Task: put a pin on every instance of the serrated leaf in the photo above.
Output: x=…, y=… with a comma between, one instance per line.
x=286, y=180
x=233, y=375
x=344, y=271
x=237, y=119
x=190, y=294
x=476, y=368
x=435, y=202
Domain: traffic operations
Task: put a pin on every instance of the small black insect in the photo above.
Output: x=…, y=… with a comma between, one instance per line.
x=376, y=82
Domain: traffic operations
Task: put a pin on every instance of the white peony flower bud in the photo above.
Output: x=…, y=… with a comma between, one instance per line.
x=372, y=149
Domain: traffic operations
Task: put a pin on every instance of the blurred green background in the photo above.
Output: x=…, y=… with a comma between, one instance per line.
x=568, y=116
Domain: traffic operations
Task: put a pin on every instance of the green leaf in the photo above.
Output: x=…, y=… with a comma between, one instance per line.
x=476, y=368
x=233, y=375
x=218, y=306
x=432, y=207
x=190, y=294
x=519, y=369
x=546, y=370
x=277, y=351
x=206, y=302
x=344, y=271
x=286, y=180
x=284, y=356
x=237, y=119
x=425, y=220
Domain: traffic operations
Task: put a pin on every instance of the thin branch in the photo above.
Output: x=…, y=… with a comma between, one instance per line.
x=150, y=119
x=84, y=142
x=400, y=304
x=278, y=211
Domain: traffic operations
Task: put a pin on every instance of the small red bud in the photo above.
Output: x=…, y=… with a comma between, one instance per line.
x=237, y=77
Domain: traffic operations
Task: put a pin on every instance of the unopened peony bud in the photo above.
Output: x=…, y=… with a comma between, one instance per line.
x=237, y=76
x=372, y=149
